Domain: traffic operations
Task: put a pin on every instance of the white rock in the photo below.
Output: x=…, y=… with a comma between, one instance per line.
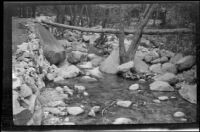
x=79, y=88
x=162, y=98
x=85, y=93
x=179, y=114
x=142, y=80
x=88, y=79
x=68, y=71
x=161, y=86
x=86, y=65
x=172, y=97
x=74, y=110
x=156, y=101
x=126, y=66
x=134, y=87
x=68, y=123
x=124, y=103
x=183, y=119
x=66, y=119
x=92, y=113
x=122, y=120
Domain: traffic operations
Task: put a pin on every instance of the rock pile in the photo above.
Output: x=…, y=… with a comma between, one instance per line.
x=29, y=69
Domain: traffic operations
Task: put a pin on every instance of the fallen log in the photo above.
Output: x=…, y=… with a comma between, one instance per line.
x=126, y=31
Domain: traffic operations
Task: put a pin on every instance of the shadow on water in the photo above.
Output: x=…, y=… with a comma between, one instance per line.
x=143, y=110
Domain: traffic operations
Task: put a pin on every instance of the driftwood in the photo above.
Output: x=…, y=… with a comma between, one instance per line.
x=126, y=31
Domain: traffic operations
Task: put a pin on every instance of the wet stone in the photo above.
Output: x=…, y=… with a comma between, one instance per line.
x=124, y=103
x=179, y=114
x=134, y=87
x=156, y=101
x=75, y=110
x=163, y=98
x=122, y=120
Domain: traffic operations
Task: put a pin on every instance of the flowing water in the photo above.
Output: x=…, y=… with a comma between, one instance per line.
x=111, y=88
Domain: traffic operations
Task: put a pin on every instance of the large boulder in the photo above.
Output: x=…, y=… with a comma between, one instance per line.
x=53, y=50
x=152, y=55
x=156, y=68
x=140, y=66
x=176, y=58
x=189, y=92
x=169, y=67
x=68, y=71
x=110, y=64
x=167, y=77
x=125, y=67
x=76, y=57
x=186, y=62
x=161, y=86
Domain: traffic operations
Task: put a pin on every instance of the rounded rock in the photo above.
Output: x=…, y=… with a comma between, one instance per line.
x=179, y=114
x=134, y=87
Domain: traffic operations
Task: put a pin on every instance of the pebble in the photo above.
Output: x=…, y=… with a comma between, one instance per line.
x=85, y=93
x=162, y=98
x=156, y=101
x=179, y=114
x=142, y=80
x=124, y=103
x=172, y=97
x=122, y=120
x=134, y=87
x=183, y=119
x=75, y=110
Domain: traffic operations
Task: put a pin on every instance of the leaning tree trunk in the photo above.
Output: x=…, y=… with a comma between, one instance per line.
x=135, y=41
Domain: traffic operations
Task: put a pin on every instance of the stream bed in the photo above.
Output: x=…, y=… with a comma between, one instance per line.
x=143, y=110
